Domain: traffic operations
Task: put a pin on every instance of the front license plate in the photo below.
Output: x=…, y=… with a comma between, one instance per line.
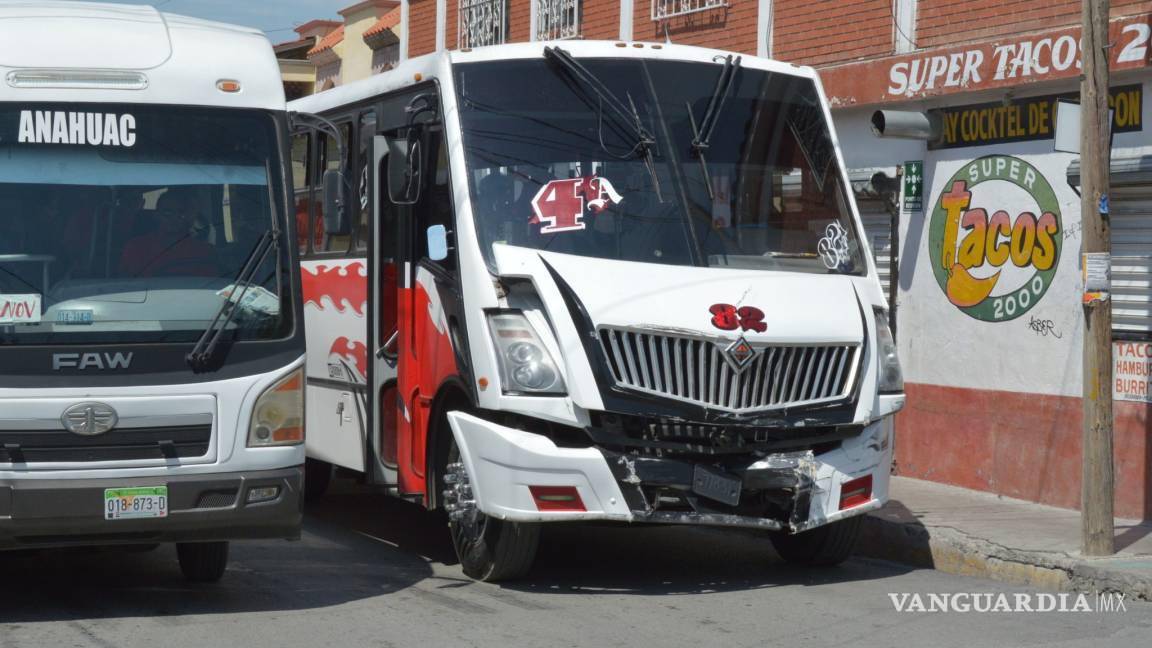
x=135, y=503
x=716, y=485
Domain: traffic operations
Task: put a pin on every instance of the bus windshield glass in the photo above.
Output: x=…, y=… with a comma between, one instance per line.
x=129, y=223
x=655, y=161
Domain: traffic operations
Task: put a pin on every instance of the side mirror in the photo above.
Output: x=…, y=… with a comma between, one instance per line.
x=334, y=215
x=437, y=243
x=405, y=165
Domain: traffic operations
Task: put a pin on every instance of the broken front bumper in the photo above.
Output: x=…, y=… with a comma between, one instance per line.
x=506, y=465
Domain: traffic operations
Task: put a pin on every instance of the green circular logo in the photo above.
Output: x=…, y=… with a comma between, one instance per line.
x=994, y=238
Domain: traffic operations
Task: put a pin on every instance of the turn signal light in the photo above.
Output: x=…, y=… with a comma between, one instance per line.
x=856, y=492
x=557, y=498
x=228, y=85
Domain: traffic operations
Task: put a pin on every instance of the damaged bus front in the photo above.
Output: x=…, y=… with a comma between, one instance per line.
x=610, y=282
x=681, y=292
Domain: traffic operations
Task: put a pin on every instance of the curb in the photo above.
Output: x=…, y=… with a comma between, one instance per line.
x=952, y=551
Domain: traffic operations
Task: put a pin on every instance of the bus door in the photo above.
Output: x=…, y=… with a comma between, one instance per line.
x=414, y=336
x=385, y=330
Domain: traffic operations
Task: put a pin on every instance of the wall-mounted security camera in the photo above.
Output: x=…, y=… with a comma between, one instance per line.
x=908, y=124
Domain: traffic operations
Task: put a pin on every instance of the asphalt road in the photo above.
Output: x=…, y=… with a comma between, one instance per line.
x=371, y=571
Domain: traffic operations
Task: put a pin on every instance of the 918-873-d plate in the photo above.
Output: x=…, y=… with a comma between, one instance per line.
x=717, y=485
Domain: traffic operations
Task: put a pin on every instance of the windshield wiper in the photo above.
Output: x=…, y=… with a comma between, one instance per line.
x=200, y=354
x=702, y=134
x=626, y=114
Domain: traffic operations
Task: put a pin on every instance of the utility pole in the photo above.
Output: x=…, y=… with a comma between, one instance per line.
x=1096, y=530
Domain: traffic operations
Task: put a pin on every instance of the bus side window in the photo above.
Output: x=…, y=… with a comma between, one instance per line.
x=301, y=198
x=361, y=183
x=322, y=241
x=435, y=206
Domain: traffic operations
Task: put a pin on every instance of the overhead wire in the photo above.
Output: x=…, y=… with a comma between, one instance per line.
x=896, y=24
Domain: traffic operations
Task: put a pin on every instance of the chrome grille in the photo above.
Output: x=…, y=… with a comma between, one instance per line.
x=695, y=370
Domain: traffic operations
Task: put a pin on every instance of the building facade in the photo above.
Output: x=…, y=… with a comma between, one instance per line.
x=990, y=288
x=328, y=53
x=976, y=229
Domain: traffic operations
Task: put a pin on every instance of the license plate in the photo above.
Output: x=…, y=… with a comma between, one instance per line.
x=716, y=485
x=135, y=503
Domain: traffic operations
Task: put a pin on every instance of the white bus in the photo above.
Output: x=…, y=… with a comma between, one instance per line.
x=151, y=344
x=596, y=281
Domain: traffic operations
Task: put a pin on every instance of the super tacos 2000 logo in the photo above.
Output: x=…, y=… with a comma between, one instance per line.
x=994, y=238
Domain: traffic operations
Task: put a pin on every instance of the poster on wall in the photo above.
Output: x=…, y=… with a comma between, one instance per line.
x=994, y=237
x=1131, y=366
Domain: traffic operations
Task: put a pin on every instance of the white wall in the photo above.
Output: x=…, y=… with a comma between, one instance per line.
x=942, y=345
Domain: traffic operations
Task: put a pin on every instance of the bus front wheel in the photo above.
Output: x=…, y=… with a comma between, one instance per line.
x=202, y=562
x=489, y=550
x=823, y=546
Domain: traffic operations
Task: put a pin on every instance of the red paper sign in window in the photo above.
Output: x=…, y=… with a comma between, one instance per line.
x=559, y=205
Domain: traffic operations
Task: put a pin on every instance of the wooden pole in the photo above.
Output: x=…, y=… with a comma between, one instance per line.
x=1095, y=159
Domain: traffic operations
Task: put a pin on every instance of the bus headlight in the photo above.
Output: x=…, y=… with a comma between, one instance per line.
x=525, y=364
x=891, y=379
x=278, y=417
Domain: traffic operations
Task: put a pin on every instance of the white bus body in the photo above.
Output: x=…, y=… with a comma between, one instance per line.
x=631, y=288
x=142, y=166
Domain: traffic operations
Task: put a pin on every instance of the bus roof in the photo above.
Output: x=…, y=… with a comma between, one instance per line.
x=436, y=64
x=99, y=46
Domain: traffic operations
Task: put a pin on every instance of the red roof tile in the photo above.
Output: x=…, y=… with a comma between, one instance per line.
x=387, y=21
x=328, y=42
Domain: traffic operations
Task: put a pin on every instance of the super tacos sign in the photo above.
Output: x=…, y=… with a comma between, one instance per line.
x=994, y=238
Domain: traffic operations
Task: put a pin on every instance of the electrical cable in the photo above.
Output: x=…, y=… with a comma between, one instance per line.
x=896, y=24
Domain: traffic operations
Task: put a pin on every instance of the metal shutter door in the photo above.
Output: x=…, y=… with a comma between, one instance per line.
x=1131, y=256
x=878, y=230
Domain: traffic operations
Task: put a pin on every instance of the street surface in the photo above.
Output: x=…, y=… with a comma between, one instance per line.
x=377, y=572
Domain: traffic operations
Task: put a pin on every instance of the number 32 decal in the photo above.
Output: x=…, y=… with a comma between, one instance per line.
x=727, y=317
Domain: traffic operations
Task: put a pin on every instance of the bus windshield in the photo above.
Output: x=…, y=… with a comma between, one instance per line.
x=127, y=223
x=623, y=173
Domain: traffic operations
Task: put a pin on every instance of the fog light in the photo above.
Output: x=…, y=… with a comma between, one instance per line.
x=263, y=494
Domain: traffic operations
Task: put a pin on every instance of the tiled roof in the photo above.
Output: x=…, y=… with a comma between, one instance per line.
x=386, y=22
x=328, y=42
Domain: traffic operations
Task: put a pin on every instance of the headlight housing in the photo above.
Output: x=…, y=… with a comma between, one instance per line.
x=278, y=416
x=891, y=378
x=526, y=366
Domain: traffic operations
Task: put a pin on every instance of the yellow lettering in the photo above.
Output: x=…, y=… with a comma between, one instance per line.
x=1044, y=257
x=997, y=250
x=954, y=203
x=972, y=247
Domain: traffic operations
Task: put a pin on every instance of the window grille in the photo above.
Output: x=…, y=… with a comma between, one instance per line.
x=664, y=9
x=482, y=22
x=557, y=19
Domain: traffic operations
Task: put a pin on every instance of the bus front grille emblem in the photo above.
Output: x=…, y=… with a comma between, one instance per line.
x=740, y=354
x=89, y=419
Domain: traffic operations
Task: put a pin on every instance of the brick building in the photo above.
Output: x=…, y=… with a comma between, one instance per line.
x=985, y=269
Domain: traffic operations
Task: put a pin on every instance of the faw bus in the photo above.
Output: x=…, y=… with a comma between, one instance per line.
x=580, y=281
x=151, y=338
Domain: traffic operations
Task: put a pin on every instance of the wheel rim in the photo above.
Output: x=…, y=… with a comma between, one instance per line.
x=465, y=520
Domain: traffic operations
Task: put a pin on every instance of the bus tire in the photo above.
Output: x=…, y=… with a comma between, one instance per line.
x=489, y=550
x=202, y=562
x=823, y=546
x=317, y=478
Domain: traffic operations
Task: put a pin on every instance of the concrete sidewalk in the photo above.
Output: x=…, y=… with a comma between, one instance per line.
x=961, y=531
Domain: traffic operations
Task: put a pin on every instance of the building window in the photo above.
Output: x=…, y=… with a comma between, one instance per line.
x=482, y=22
x=664, y=9
x=557, y=19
